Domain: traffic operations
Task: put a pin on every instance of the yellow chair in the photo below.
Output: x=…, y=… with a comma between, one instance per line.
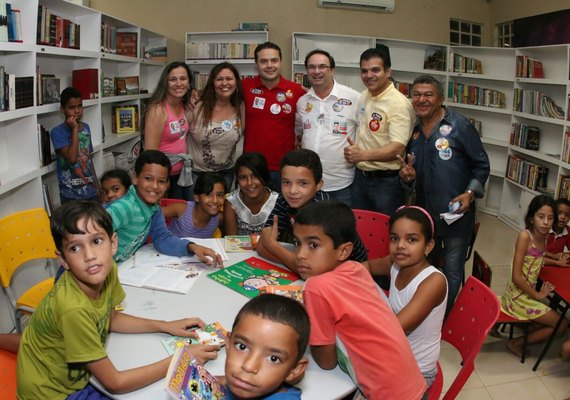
x=25, y=236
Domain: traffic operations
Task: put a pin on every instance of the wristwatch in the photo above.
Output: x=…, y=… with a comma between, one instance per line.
x=471, y=192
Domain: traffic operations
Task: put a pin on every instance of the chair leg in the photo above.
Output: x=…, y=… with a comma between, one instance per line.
x=511, y=332
x=18, y=321
x=525, y=342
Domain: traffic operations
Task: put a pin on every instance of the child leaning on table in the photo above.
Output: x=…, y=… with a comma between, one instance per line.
x=266, y=349
x=64, y=343
x=559, y=237
x=301, y=183
x=344, y=305
x=138, y=215
x=199, y=218
x=72, y=143
x=521, y=299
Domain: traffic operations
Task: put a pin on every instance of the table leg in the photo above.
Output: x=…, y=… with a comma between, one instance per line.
x=551, y=338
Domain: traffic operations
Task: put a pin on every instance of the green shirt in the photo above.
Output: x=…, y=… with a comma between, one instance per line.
x=67, y=331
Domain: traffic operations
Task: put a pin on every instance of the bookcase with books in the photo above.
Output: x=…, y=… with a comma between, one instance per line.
x=50, y=64
x=206, y=49
x=345, y=49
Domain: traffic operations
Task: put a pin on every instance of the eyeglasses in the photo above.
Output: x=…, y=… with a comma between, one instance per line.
x=321, y=67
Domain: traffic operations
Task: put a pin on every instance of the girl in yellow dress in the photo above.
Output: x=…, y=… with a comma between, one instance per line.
x=521, y=299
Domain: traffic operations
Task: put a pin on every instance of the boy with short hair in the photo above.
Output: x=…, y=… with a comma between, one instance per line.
x=559, y=237
x=73, y=147
x=267, y=346
x=138, y=215
x=64, y=343
x=344, y=305
x=301, y=183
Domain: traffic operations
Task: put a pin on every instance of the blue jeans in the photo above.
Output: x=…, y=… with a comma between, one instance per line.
x=343, y=195
x=452, y=250
x=383, y=194
x=179, y=192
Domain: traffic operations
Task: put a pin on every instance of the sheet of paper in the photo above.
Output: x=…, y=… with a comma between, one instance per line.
x=212, y=243
x=450, y=218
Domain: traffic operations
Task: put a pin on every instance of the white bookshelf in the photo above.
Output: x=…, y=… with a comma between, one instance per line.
x=203, y=50
x=21, y=176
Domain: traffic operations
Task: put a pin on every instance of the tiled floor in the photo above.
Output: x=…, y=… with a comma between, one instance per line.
x=498, y=374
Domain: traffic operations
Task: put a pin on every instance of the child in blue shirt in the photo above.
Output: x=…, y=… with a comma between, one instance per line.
x=72, y=143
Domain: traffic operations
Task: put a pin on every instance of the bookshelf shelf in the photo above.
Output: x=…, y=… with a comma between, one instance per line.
x=113, y=139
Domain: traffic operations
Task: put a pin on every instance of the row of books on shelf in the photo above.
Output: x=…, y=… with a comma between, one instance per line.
x=474, y=95
x=526, y=173
x=10, y=23
x=528, y=68
x=15, y=91
x=525, y=136
x=302, y=79
x=564, y=185
x=54, y=30
x=120, y=85
x=156, y=53
x=469, y=65
x=536, y=103
x=118, y=42
x=47, y=154
x=206, y=51
x=404, y=87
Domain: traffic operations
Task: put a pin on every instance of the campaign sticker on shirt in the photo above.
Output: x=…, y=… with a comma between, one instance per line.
x=445, y=154
x=340, y=128
x=374, y=125
x=280, y=97
x=345, y=102
x=227, y=125
x=445, y=130
x=174, y=127
x=287, y=108
x=376, y=117
x=307, y=124
x=218, y=130
x=259, y=102
x=256, y=91
x=441, y=144
x=237, y=124
x=308, y=107
x=337, y=107
x=416, y=135
x=275, y=108
x=289, y=94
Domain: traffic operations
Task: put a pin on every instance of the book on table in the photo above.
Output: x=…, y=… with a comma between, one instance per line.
x=150, y=269
x=188, y=379
x=249, y=276
x=213, y=334
x=294, y=292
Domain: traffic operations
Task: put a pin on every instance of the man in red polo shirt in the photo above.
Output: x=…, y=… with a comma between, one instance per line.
x=270, y=105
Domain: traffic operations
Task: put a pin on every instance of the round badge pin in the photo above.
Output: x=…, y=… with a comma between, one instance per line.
x=441, y=144
x=280, y=97
x=275, y=108
x=227, y=125
x=445, y=130
x=376, y=116
x=286, y=108
x=445, y=154
x=374, y=125
x=337, y=107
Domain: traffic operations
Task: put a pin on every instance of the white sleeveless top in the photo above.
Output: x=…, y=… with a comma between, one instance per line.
x=425, y=339
x=247, y=222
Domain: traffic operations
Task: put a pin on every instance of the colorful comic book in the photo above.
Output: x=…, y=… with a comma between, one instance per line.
x=294, y=292
x=236, y=244
x=187, y=379
x=213, y=333
x=249, y=276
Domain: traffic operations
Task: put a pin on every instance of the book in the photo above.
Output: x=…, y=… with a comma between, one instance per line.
x=434, y=58
x=120, y=86
x=50, y=89
x=125, y=119
x=107, y=86
x=294, y=292
x=237, y=244
x=126, y=43
x=87, y=82
x=213, y=333
x=132, y=84
x=249, y=276
x=114, y=117
x=188, y=379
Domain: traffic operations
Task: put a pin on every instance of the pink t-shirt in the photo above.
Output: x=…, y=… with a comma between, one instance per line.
x=345, y=302
x=173, y=138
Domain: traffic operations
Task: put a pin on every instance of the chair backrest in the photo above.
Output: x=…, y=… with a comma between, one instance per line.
x=472, y=241
x=373, y=229
x=7, y=375
x=24, y=236
x=472, y=316
x=481, y=270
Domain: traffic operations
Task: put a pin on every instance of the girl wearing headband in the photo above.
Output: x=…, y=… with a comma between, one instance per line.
x=418, y=291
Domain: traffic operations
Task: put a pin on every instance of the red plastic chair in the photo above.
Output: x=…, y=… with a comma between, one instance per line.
x=372, y=227
x=482, y=271
x=7, y=375
x=474, y=313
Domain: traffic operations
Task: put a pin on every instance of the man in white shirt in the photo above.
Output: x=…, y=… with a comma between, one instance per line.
x=326, y=116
